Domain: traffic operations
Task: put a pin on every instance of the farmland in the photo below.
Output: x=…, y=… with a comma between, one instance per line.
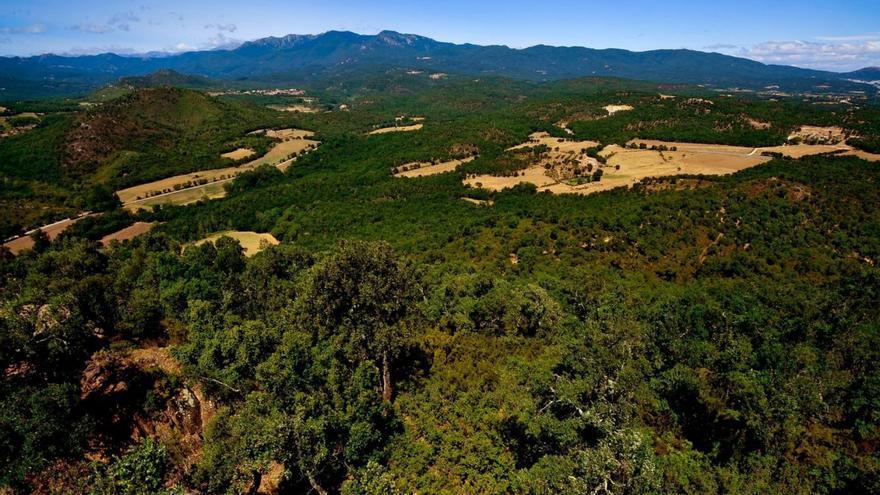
x=420, y=169
x=188, y=188
x=251, y=242
x=128, y=233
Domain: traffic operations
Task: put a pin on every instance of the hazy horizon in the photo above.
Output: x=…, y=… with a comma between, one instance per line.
x=842, y=37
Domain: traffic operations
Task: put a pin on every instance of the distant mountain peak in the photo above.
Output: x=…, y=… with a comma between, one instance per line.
x=294, y=58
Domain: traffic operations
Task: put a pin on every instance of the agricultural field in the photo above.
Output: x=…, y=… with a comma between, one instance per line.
x=612, y=109
x=128, y=233
x=251, y=242
x=207, y=184
x=420, y=169
x=294, y=108
x=238, y=154
x=397, y=128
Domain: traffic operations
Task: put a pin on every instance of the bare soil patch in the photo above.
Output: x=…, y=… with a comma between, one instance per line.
x=128, y=233
x=53, y=230
x=757, y=124
x=420, y=169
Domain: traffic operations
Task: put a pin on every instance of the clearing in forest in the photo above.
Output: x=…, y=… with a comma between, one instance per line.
x=207, y=184
x=810, y=134
x=252, y=242
x=479, y=202
x=294, y=108
x=397, y=128
x=612, y=109
x=128, y=233
x=626, y=167
x=556, y=145
x=419, y=169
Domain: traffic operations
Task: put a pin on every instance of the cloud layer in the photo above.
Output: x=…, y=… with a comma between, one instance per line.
x=837, y=53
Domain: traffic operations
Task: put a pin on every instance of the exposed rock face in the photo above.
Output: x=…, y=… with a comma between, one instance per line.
x=116, y=387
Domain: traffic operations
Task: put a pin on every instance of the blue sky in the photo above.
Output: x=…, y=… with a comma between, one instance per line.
x=834, y=35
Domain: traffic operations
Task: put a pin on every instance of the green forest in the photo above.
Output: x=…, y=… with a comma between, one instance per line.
x=698, y=335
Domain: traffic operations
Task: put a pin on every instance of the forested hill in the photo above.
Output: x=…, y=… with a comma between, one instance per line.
x=298, y=58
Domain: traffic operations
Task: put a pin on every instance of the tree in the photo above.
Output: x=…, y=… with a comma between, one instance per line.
x=362, y=296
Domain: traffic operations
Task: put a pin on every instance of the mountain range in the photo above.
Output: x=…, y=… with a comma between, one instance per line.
x=298, y=58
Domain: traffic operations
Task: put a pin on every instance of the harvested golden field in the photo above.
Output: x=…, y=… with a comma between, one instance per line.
x=128, y=233
x=184, y=181
x=238, y=154
x=294, y=108
x=627, y=166
x=289, y=133
x=535, y=174
x=787, y=150
x=864, y=155
x=212, y=190
x=802, y=150
x=282, y=154
x=252, y=242
x=696, y=147
x=401, y=128
x=188, y=188
x=612, y=109
x=419, y=169
x=558, y=145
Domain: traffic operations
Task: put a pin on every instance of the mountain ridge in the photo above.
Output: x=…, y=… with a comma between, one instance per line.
x=297, y=57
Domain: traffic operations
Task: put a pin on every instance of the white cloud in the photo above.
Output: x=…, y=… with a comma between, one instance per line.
x=855, y=37
x=92, y=50
x=31, y=29
x=123, y=20
x=721, y=47
x=229, y=28
x=217, y=42
x=91, y=27
x=837, y=56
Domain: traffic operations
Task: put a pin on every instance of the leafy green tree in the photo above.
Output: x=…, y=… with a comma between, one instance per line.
x=141, y=471
x=362, y=298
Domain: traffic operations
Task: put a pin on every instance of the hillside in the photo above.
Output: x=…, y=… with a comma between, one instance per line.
x=298, y=59
x=143, y=135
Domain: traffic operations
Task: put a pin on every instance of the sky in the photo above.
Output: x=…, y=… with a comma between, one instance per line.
x=837, y=35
